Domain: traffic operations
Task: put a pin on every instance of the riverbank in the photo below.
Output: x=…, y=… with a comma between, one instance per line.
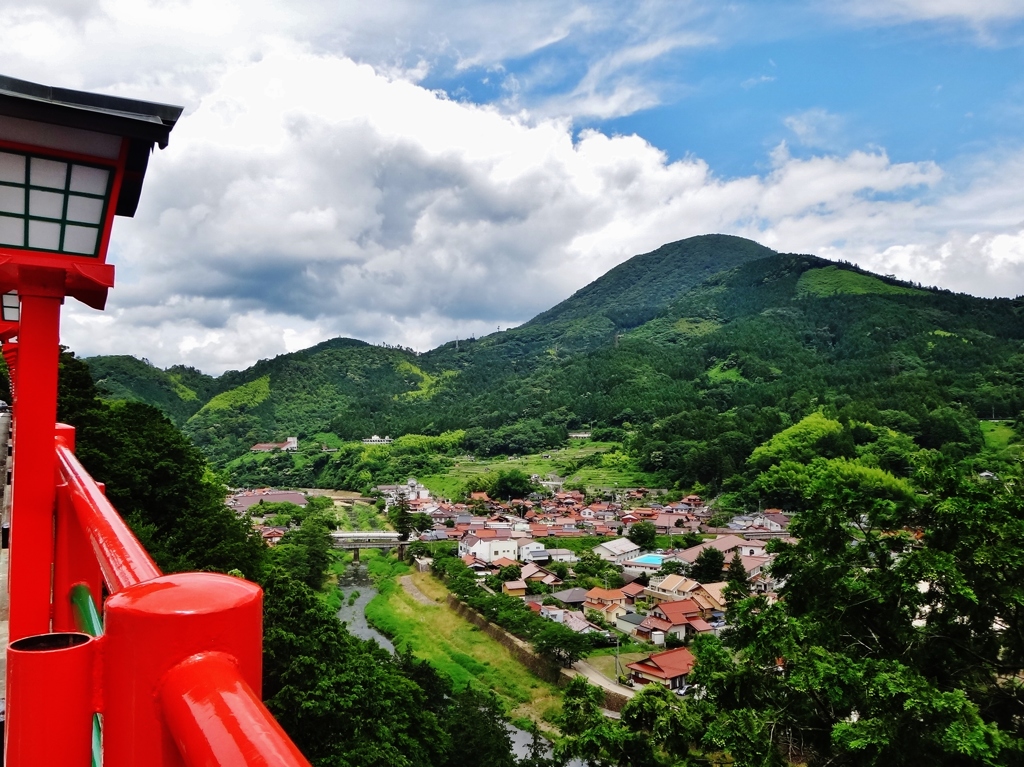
x=420, y=619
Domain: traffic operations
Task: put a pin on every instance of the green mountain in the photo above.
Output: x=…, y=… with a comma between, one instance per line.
x=693, y=354
x=178, y=391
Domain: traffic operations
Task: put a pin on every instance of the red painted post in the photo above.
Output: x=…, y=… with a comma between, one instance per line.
x=74, y=562
x=154, y=626
x=33, y=486
x=216, y=719
x=50, y=700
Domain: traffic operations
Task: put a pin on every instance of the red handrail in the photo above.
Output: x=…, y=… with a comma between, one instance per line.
x=181, y=662
x=209, y=710
x=122, y=559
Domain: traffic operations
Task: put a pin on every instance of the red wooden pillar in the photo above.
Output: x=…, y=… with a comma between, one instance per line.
x=34, y=471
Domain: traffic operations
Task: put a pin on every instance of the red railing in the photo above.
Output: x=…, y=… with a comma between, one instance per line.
x=176, y=674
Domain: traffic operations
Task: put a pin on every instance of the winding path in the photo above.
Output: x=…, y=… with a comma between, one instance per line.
x=413, y=590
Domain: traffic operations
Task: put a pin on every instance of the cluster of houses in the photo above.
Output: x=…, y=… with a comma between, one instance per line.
x=524, y=533
x=565, y=514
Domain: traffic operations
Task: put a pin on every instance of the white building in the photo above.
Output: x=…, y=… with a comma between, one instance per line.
x=488, y=549
x=617, y=551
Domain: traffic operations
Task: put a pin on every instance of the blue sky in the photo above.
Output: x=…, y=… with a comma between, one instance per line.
x=921, y=89
x=410, y=171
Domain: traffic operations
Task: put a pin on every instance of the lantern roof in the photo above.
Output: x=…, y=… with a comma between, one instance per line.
x=143, y=123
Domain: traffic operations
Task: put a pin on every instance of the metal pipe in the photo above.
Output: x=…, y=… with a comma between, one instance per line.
x=86, y=615
x=89, y=622
x=123, y=561
x=216, y=720
x=50, y=699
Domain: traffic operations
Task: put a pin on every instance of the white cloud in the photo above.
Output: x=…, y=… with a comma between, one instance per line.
x=308, y=196
x=972, y=11
x=314, y=189
x=816, y=128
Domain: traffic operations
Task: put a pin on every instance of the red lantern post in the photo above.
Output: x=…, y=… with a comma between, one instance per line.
x=69, y=162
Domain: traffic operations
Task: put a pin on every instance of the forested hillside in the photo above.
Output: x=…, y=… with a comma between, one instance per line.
x=689, y=356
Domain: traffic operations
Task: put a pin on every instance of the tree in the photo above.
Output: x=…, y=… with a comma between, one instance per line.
x=313, y=543
x=643, y=534
x=708, y=566
x=510, y=573
x=400, y=518
x=513, y=483
x=561, y=644
x=561, y=569
x=477, y=731
x=883, y=679
x=736, y=575
x=674, y=567
x=158, y=481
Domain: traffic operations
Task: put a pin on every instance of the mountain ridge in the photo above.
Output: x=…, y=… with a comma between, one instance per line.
x=711, y=323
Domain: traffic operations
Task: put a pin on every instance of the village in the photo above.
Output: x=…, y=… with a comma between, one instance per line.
x=657, y=596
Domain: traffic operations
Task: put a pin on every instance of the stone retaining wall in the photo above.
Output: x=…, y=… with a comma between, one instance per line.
x=520, y=650
x=525, y=655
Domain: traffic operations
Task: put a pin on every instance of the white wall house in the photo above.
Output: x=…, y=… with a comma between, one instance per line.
x=617, y=551
x=489, y=549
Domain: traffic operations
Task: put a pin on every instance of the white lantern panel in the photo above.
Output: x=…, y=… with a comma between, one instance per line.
x=45, y=204
x=88, y=210
x=48, y=173
x=89, y=180
x=80, y=239
x=12, y=199
x=42, y=235
x=12, y=168
x=12, y=231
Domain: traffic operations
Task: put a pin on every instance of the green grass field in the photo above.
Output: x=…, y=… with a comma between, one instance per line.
x=1000, y=439
x=616, y=468
x=466, y=654
x=831, y=280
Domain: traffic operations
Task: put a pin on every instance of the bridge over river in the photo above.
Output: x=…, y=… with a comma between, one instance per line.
x=354, y=540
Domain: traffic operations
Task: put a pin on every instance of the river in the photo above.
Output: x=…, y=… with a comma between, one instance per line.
x=356, y=578
x=353, y=615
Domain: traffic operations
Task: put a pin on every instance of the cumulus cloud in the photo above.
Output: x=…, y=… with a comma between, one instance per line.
x=309, y=196
x=314, y=188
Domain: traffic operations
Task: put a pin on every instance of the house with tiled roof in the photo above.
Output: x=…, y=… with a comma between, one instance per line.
x=685, y=617
x=514, y=588
x=488, y=548
x=671, y=588
x=669, y=668
x=537, y=574
x=627, y=623
x=727, y=544
x=633, y=592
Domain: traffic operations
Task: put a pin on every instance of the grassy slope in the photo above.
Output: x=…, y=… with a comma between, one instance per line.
x=616, y=469
x=1001, y=440
x=467, y=655
x=832, y=280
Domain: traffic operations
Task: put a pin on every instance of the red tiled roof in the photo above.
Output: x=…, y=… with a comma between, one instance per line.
x=666, y=665
x=657, y=624
x=680, y=611
x=609, y=594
